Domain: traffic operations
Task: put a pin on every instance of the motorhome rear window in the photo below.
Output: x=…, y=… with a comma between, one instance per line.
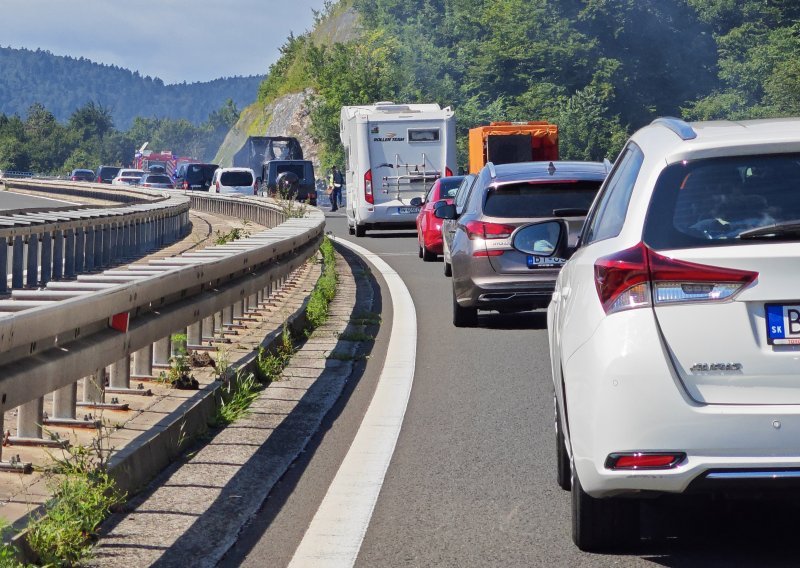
x=423, y=134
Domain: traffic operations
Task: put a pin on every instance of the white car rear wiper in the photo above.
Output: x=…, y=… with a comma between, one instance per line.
x=785, y=229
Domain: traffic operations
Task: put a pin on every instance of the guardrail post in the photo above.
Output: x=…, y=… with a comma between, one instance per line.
x=252, y=303
x=32, y=276
x=194, y=334
x=207, y=329
x=140, y=237
x=80, y=245
x=94, y=387
x=227, y=317
x=161, y=352
x=4, y=269
x=64, y=401
x=219, y=330
x=108, y=238
x=88, y=257
x=30, y=418
x=238, y=310
x=98, y=245
x=128, y=233
x=47, y=258
x=121, y=374
x=58, y=255
x=17, y=263
x=143, y=362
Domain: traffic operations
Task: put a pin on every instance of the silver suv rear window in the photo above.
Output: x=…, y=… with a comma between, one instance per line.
x=712, y=202
x=539, y=199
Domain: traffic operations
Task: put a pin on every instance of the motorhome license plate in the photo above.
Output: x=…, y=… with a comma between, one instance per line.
x=407, y=210
x=783, y=324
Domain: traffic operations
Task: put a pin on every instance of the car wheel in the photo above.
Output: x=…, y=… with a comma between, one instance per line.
x=464, y=317
x=602, y=524
x=448, y=269
x=427, y=255
x=360, y=230
x=563, y=473
x=350, y=229
x=420, y=250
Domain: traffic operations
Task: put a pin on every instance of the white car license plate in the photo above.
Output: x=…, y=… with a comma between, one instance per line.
x=407, y=210
x=783, y=324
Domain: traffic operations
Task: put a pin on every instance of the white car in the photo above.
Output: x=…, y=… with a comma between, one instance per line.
x=240, y=181
x=674, y=327
x=128, y=177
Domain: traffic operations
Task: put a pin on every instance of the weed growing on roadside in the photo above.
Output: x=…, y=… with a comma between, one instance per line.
x=289, y=206
x=83, y=495
x=366, y=318
x=179, y=374
x=270, y=364
x=356, y=336
x=234, y=234
x=236, y=397
x=325, y=290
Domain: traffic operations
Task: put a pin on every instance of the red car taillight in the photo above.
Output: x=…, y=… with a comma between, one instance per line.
x=369, y=197
x=217, y=186
x=448, y=172
x=481, y=230
x=638, y=277
x=185, y=185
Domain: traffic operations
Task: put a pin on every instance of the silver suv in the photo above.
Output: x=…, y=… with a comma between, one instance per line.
x=488, y=273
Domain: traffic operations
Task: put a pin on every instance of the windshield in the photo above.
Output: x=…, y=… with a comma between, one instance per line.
x=199, y=173
x=712, y=201
x=539, y=199
x=236, y=178
x=296, y=169
x=158, y=179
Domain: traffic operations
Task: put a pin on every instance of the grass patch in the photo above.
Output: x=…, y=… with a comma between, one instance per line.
x=366, y=318
x=270, y=364
x=356, y=336
x=325, y=290
x=236, y=397
x=342, y=356
x=234, y=234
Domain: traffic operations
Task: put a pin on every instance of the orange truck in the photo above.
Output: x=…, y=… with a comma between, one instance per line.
x=508, y=142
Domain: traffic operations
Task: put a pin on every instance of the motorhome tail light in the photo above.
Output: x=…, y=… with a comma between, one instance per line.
x=448, y=172
x=481, y=230
x=369, y=197
x=638, y=277
x=644, y=460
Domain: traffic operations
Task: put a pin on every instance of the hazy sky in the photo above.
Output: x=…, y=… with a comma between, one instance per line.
x=176, y=40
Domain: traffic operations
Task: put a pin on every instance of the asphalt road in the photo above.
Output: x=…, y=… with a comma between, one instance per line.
x=472, y=479
x=14, y=201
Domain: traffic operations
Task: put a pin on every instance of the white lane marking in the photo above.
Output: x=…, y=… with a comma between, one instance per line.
x=334, y=537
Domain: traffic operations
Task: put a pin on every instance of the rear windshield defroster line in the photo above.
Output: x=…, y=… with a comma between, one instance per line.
x=539, y=199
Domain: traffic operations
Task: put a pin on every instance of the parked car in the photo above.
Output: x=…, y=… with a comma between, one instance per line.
x=449, y=225
x=81, y=175
x=240, y=181
x=673, y=327
x=196, y=177
x=128, y=177
x=429, y=228
x=489, y=274
x=159, y=181
x=106, y=174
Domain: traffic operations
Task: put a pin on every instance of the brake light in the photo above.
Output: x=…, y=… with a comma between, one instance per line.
x=99, y=179
x=481, y=230
x=217, y=186
x=185, y=185
x=448, y=172
x=644, y=460
x=493, y=252
x=74, y=178
x=369, y=197
x=638, y=276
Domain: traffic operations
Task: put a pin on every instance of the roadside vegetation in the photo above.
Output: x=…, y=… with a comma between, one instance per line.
x=600, y=70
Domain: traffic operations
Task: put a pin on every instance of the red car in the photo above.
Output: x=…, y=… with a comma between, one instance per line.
x=429, y=228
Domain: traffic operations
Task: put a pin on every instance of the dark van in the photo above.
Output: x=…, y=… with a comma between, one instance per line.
x=106, y=173
x=196, y=177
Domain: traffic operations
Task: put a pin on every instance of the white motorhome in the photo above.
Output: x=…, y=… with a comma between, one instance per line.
x=393, y=153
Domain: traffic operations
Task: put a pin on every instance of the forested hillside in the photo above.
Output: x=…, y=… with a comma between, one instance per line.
x=64, y=84
x=598, y=68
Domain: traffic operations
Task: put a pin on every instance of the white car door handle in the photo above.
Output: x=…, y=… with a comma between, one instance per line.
x=564, y=294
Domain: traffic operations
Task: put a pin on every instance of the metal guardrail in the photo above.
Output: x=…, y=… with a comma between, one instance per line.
x=123, y=319
x=45, y=246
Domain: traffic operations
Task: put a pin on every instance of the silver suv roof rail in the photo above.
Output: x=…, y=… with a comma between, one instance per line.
x=492, y=171
x=678, y=126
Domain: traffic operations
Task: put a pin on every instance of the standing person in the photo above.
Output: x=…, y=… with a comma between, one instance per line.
x=337, y=181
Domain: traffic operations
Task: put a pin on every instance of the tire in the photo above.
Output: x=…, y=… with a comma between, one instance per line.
x=448, y=269
x=427, y=255
x=464, y=317
x=360, y=230
x=563, y=473
x=350, y=229
x=602, y=524
x=420, y=250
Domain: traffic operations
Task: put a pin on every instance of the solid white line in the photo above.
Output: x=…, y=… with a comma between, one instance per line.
x=334, y=537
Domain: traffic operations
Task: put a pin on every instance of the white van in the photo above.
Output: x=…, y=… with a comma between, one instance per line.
x=393, y=153
x=240, y=181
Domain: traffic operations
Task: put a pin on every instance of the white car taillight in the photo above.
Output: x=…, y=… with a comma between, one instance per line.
x=638, y=277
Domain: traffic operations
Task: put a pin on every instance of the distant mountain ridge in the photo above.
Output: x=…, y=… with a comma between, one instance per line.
x=63, y=84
